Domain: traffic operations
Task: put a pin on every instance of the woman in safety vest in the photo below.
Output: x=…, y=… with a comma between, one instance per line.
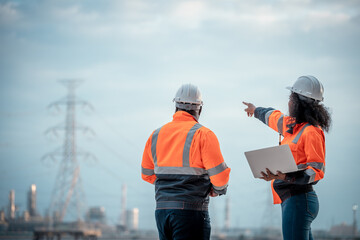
x=303, y=132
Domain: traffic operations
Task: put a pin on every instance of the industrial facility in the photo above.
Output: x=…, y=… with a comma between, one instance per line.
x=14, y=223
x=26, y=224
x=92, y=223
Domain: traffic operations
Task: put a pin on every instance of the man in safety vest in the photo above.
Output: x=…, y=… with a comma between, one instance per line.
x=184, y=161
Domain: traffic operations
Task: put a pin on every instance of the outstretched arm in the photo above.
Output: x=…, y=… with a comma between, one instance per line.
x=271, y=117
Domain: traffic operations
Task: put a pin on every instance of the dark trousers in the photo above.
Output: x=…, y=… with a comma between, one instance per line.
x=177, y=224
x=298, y=212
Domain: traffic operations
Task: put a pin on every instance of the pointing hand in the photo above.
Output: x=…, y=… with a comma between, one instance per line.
x=250, y=109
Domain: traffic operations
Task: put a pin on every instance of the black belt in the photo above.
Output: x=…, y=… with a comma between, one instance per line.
x=302, y=189
x=202, y=206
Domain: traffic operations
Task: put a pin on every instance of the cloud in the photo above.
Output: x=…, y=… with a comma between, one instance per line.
x=320, y=19
x=257, y=16
x=189, y=14
x=8, y=13
x=143, y=18
x=75, y=14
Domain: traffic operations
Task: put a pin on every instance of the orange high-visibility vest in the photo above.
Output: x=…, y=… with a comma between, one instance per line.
x=307, y=144
x=184, y=160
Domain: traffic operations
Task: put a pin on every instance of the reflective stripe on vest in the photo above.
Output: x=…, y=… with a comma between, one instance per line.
x=188, y=141
x=180, y=170
x=316, y=165
x=297, y=137
x=280, y=124
x=218, y=169
x=185, y=169
x=146, y=171
x=267, y=116
x=153, y=145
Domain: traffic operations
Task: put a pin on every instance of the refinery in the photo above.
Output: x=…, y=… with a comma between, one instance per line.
x=29, y=224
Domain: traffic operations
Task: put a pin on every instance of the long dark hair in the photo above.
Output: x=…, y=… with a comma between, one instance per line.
x=312, y=112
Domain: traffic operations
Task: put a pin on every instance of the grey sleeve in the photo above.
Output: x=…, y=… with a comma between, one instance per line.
x=220, y=192
x=260, y=113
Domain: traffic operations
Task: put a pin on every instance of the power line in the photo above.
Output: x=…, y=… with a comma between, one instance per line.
x=114, y=130
x=117, y=154
x=18, y=114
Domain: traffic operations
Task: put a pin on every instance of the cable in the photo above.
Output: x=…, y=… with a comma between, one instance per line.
x=110, y=172
x=113, y=130
x=115, y=153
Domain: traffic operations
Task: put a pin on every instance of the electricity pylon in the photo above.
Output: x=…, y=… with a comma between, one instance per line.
x=68, y=195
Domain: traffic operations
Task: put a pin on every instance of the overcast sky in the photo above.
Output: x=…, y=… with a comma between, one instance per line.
x=133, y=55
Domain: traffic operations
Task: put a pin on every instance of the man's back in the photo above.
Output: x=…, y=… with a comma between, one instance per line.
x=184, y=161
x=185, y=155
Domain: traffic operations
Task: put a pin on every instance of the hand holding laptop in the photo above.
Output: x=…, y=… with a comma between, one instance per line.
x=270, y=176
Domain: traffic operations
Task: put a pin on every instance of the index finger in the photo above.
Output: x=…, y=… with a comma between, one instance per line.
x=246, y=103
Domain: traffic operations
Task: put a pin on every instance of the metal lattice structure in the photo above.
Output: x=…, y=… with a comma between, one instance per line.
x=68, y=196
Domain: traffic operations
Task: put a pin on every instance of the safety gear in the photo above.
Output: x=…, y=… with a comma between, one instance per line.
x=307, y=144
x=309, y=88
x=184, y=160
x=188, y=97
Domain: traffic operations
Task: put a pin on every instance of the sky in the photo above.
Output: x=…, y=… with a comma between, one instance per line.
x=133, y=55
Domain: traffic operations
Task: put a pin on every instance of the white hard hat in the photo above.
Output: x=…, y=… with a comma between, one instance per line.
x=188, y=97
x=309, y=87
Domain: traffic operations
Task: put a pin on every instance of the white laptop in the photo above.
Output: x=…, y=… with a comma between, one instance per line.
x=278, y=158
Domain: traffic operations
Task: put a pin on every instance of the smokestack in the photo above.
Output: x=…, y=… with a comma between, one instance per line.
x=11, y=207
x=227, y=214
x=133, y=219
x=32, y=200
x=355, y=207
x=123, y=206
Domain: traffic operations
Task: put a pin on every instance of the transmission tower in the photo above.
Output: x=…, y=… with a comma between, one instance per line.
x=68, y=196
